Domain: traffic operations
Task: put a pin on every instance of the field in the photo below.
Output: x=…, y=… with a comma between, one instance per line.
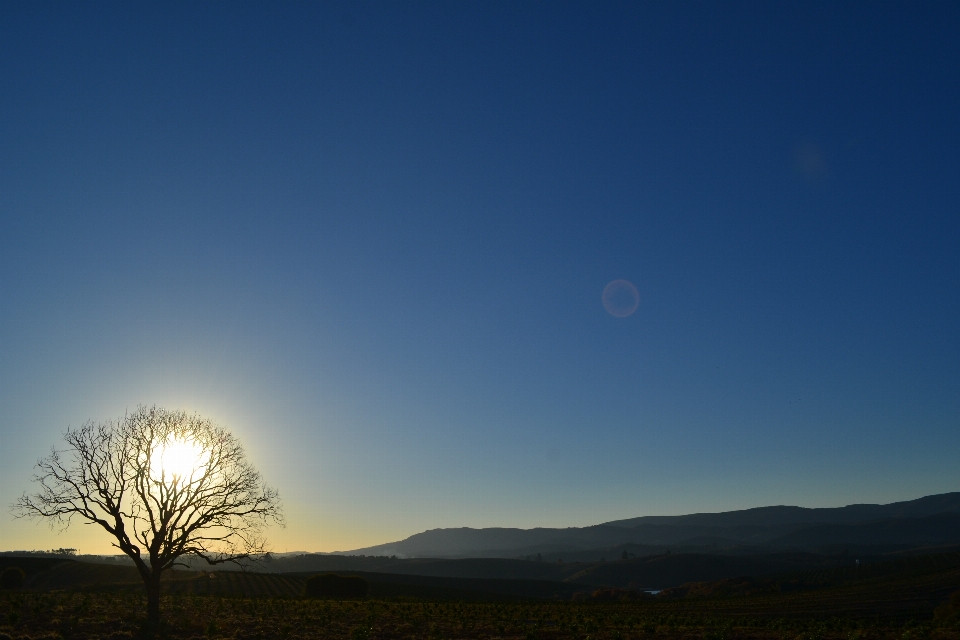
x=80, y=615
x=78, y=601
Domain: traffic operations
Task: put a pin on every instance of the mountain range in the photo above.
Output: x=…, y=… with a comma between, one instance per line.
x=926, y=522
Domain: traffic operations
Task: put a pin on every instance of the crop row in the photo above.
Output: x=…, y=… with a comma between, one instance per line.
x=118, y=615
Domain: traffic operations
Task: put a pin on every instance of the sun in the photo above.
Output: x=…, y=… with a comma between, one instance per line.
x=178, y=459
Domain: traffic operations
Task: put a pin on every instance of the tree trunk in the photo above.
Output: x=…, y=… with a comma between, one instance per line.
x=153, y=599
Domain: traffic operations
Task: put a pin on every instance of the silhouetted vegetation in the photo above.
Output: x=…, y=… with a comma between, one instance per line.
x=206, y=501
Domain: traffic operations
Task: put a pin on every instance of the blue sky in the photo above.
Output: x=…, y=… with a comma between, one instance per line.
x=371, y=239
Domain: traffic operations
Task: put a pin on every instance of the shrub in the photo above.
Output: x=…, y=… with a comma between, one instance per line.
x=12, y=578
x=334, y=587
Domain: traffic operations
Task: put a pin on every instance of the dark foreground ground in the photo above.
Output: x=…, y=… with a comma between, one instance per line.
x=117, y=616
x=905, y=599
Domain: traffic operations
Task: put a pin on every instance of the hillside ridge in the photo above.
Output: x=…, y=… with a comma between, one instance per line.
x=773, y=527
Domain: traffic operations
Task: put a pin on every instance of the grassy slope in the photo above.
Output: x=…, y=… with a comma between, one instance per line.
x=893, y=601
x=55, y=574
x=890, y=591
x=661, y=572
x=655, y=572
x=907, y=587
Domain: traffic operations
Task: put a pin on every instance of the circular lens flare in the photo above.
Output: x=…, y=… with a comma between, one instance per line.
x=620, y=298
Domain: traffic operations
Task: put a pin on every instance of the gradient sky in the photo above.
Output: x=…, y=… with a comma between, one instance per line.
x=371, y=240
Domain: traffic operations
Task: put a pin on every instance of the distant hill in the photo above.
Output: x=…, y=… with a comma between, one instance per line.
x=889, y=527
x=943, y=528
x=782, y=515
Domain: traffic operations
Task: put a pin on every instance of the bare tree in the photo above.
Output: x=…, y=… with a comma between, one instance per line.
x=164, y=484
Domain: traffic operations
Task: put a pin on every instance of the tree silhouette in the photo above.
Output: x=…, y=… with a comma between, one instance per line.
x=164, y=484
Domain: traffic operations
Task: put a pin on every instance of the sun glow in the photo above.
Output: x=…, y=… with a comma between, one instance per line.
x=181, y=459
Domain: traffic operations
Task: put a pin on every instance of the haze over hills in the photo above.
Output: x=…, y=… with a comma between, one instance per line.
x=929, y=521
x=642, y=553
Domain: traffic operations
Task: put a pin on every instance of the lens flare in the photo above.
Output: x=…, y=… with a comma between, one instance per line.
x=620, y=298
